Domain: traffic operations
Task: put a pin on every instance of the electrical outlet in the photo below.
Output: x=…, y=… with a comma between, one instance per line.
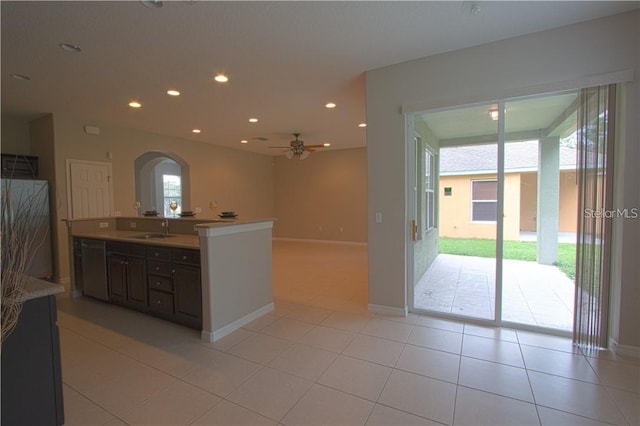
x=132, y=224
x=104, y=224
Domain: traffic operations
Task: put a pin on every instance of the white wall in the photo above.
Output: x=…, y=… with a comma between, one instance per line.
x=562, y=58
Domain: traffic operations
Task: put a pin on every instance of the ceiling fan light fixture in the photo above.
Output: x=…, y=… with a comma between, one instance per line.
x=330, y=105
x=362, y=125
x=304, y=155
x=288, y=154
x=244, y=141
x=135, y=104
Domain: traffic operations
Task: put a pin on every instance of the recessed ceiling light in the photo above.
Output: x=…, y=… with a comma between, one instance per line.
x=362, y=125
x=196, y=131
x=20, y=77
x=221, y=78
x=135, y=104
x=70, y=47
x=173, y=93
x=244, y=141
x=253, y=120
x=154, y=4
x=326, y=144
x=330, y=105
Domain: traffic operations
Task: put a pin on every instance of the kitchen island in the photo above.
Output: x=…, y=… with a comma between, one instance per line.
x=234, y=268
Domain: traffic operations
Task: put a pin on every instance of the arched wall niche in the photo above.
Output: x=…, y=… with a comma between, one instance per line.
x=149, y=188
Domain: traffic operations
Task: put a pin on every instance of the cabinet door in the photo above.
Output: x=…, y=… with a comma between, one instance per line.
x=188, y=295
x=117, y=278
x=136, y=283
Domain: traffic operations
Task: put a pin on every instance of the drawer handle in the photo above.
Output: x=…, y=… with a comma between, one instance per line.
x=158, y=283
x=157, y=268
x=173, y=271
x=157, y=254
x=158, y=302
x=184, y=257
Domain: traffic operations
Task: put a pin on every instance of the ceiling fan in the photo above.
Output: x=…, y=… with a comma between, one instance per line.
x=297, y=149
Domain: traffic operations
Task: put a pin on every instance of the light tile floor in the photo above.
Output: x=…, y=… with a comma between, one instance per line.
x=533, y=294
x=322, y=359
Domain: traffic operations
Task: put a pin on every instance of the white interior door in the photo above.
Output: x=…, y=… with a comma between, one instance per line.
x=90, y=189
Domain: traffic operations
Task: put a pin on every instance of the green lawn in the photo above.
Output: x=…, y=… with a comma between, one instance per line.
x=519, y=250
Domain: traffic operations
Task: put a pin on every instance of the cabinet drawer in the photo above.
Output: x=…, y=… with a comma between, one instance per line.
x=158, y=253
x=161, y=302
x=124, y=248
x=159, y=268
x=191, y=257
x=157, y=282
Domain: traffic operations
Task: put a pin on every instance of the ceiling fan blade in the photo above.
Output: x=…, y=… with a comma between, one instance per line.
x=280, y=147
x=314, y=146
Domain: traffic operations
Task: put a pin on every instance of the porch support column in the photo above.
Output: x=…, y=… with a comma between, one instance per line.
x=548, y=200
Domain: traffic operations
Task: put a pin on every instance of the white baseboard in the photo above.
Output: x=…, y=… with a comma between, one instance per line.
x=305, y=240
x=388, y=310
x=218, y=334
x=624, y=350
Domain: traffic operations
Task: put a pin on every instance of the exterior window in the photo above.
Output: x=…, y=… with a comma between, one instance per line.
x=484, y=200
x=429, y=219
x=172, y=192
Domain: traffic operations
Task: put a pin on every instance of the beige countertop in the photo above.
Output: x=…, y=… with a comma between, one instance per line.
x=35, y=288
x=176, y=240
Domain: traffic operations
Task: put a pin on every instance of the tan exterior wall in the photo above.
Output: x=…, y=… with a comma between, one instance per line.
x=568, y=215
x=455, y=210
x=528, y=201
x=568, y=202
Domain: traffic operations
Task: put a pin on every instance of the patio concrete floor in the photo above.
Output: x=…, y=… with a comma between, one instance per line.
x=533, y=294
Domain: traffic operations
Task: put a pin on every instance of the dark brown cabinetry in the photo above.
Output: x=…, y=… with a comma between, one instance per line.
x=126, y=275
x=19, y=166
x=175, y=290
x=159, y=280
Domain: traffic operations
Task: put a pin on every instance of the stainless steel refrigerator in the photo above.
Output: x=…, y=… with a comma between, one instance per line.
x=29, y=199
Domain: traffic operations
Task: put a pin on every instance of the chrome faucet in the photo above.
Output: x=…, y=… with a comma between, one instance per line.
x=166, y=225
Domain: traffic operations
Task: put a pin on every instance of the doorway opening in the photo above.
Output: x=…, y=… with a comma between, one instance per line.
x=502, y=248
x=162, y=178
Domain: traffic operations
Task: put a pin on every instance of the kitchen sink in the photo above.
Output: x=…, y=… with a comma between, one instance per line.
x=152, y=236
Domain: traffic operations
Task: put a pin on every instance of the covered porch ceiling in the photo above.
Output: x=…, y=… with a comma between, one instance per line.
x=525, y=119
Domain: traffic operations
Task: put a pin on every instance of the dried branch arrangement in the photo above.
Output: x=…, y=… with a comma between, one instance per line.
x=22, y=220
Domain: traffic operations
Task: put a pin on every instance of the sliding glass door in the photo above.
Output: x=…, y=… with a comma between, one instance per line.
x=455, y=250
x=502, y=248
